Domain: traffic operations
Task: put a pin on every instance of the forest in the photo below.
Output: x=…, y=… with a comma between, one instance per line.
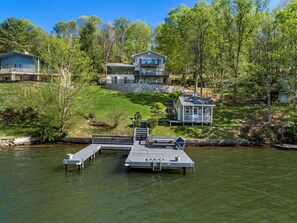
x=242, y=50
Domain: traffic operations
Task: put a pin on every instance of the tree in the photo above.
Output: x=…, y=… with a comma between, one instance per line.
x=200, y=35
x=66, y=29
x=137, y=38
x=108, y=41
x=89, y=31
x=264, y=61
x=121, y=26
x=238, y=18
x=170, y=38
x=18, y=35
x=286, y=20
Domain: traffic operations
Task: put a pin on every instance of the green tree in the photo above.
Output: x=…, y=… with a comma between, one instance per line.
x=170, y=39
x=138, y=38
x=19, y=35
x=121, y=26
x=200, y=35
x=66, y=29
x=286, y=20
x=89, y=31
x=264, y=56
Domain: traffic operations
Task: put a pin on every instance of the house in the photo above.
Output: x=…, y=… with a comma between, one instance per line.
x=194, y=110
x=286, y=86
x=146, y=67
x=15, y=66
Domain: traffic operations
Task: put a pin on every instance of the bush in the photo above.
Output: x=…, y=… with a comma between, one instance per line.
x=137, y=118
x=92, y=115
x=152, y=123
x=158, y=109
x=116, y=117
x=12, y=115
x=175, y=95
x=46, y=131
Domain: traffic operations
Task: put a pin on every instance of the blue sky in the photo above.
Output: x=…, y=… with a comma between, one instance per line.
x=46, y=13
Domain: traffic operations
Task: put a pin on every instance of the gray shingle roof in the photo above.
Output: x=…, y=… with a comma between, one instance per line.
x=194, y=100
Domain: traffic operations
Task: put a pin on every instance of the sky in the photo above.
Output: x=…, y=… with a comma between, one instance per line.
x=47, y=13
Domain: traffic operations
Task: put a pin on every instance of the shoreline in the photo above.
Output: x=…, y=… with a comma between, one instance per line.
x=28, y=141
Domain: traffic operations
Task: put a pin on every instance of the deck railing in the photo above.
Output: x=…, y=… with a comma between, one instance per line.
x=197, y=118
x=20, y=70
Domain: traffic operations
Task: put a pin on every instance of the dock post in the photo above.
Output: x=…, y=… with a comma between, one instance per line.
x=184, y=170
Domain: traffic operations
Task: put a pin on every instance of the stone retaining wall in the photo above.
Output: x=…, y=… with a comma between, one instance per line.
x=146, y=88
x=218, y=142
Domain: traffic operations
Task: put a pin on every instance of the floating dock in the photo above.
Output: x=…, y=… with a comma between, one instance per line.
x=156, y=153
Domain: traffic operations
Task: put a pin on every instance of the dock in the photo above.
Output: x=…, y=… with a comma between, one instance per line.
x=145, y=152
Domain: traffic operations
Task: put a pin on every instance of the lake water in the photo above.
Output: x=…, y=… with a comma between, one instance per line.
x=230, y=185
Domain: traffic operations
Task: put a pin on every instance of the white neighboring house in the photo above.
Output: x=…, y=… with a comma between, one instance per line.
x=146, y=67
x=194, y=110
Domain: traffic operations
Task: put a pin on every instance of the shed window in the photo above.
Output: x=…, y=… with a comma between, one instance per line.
x=195, y=111
x=187, y=110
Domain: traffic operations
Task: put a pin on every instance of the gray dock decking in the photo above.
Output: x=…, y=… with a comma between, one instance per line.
x=140, y=156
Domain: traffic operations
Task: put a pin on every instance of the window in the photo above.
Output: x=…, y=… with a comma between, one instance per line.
x=125, y=80
x=195, y=111
x=205, y=110
x=187, y=110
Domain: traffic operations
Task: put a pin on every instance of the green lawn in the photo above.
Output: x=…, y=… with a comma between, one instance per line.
x=228, y=120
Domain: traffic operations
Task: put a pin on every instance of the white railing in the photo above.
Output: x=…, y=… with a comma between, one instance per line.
x=21, y=70
x=197, y=118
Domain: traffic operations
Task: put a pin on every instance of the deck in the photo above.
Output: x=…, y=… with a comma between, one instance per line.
x=156, y=157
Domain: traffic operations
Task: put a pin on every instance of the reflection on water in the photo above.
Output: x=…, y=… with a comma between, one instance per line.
x=230, y=185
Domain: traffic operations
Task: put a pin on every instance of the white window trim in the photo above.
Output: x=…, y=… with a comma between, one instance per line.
x=187, y=110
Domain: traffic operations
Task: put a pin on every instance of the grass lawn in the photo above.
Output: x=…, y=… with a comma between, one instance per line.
x=228, y=120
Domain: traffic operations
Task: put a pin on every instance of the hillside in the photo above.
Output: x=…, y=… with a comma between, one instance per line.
x=229, y=121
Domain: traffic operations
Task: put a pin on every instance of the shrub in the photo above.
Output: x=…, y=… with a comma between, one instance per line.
x=137, y=118
x=12, y=115
x=175, y=95
x=46, y=131
x=92, y=115
x=116, y=117
x=158, y=109
x=152, y=123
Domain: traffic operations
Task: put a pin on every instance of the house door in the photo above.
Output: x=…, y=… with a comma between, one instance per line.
x=114, y=80
x=125, y=80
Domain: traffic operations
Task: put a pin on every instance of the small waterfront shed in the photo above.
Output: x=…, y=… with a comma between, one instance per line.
x=193, y=109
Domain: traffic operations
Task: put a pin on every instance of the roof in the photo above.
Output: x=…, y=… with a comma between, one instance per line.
x=194, y=100
x=119, y=65
x=147, y=52
x=14, y=53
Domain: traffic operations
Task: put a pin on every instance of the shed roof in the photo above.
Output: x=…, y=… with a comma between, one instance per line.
x=194, y=100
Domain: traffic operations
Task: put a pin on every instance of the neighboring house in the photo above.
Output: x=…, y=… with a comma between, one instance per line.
x=146, y=67
x=287, y=85
x=15, y=66
x=194, y=110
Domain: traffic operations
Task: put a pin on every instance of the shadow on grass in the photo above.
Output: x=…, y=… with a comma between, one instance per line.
x=10, y=130
x=145, y=98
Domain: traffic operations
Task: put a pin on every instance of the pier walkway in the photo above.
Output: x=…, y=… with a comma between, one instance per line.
x=154, y=153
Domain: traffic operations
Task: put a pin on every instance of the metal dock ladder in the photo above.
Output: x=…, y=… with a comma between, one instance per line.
x=157, y=164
